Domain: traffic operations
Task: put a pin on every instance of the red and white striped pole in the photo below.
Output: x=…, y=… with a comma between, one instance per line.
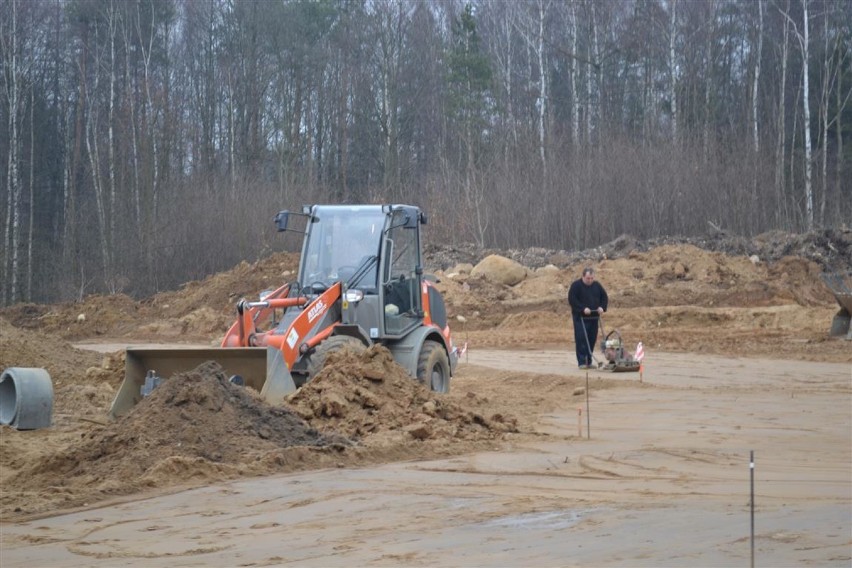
x=639, y=356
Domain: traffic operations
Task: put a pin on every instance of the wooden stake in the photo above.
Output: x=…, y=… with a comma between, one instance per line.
x=580, y=421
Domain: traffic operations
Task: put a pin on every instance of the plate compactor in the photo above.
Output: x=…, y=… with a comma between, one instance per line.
x=615, y=357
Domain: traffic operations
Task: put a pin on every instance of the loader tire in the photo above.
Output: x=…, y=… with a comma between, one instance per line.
x=433, y=367
x=328, y=346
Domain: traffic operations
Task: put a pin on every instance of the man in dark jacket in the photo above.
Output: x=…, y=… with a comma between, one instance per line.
x=588, y=300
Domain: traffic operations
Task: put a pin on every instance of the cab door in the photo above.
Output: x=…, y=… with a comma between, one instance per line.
x=402, y=303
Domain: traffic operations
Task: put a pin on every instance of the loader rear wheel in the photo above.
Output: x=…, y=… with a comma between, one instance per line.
x=433, y=367
x=334, y=343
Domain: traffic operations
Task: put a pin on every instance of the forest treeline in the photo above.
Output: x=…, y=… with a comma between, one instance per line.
x=144, y=143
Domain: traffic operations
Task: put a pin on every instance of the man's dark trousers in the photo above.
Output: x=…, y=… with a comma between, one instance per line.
x=584, y=355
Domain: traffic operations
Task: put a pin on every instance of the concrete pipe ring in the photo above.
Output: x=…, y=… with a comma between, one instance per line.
x=26, y=398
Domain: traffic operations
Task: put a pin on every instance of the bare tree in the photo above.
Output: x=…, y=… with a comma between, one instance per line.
x=93, y=152
x=780, y=156
x=532, y=28
x=593, y=83
x=127, y=36
x=146, y=47
x=575, y=102
x=501, y=18
x=708, y=83
x=756, y=79
x=834, y=61
x=804, y=47
x=843, y=92
x=112, y=30
x=391, y=21
x=673, y=66
x=13, y=223
x=806, y=105
x=28, y=296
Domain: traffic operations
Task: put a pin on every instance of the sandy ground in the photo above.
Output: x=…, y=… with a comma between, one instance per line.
x=365, y=467
x=663, y=480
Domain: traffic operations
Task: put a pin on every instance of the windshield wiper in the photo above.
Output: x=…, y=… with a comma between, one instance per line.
x=363, y=270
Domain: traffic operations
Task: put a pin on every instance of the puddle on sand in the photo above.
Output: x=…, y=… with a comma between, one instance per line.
x=536, y=521
x=463, y=502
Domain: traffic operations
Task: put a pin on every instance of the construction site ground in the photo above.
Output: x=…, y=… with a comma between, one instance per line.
x=527, y=461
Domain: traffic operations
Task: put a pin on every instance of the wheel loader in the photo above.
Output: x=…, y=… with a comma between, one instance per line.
x=360, y=282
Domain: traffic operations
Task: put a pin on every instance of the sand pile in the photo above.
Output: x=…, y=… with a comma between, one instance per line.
x=200, y=309
x=195, y=427
x=94, y=316
x=368, y=396
x=220, y=292
x=27, y=348
x=84, y=382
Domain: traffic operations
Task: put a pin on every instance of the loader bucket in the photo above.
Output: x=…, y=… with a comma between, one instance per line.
x=262, y=368
x=840, y=284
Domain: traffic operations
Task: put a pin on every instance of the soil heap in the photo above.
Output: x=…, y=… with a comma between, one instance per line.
x=196, y=428
x=30, y=348
x=367, y=394
x=193, y=428
x=830, y=249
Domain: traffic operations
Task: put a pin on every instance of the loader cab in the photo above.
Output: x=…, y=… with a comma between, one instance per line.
x=374, y=250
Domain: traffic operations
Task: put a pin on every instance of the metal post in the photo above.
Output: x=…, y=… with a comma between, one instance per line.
x=751, y=468
x=588, y=418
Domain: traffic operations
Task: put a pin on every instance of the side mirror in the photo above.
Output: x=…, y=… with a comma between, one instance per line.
x=281, y=220
x=412, y=217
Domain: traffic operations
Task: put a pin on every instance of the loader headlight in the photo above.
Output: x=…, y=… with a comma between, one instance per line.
x=354, y=296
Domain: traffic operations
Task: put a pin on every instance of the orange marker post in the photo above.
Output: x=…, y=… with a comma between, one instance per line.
x=580, y=421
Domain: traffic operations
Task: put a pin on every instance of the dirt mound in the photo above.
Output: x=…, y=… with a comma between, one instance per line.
x=196, y=311
x=84, y=382
x=201, y=414
x=670, y=275
x=220, y=292
x=94, y=316
x=717, y=270
x=686, y=275
x=66, y=364
x=369, y=394
x=194, y=427
x=830, y=249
